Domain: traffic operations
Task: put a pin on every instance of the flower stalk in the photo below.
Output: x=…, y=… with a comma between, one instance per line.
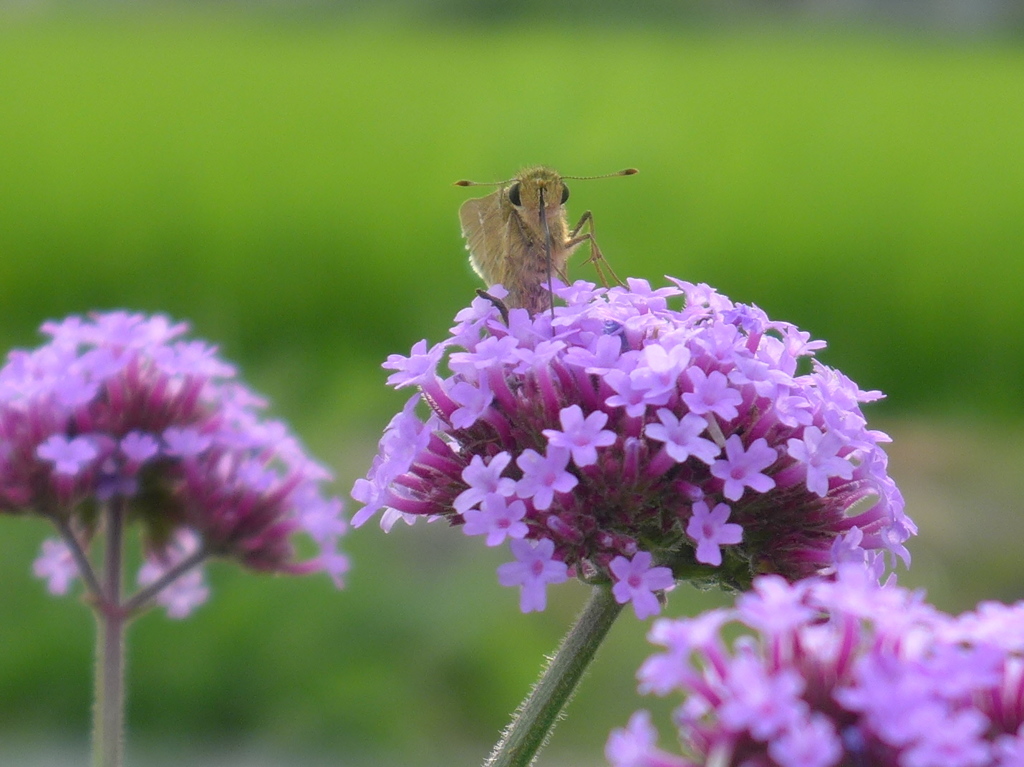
x=111, y=622
x=108, y=710
x=537, y=715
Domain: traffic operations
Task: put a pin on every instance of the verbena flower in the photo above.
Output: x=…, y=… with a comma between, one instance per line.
x=119, y=409
x=704, y=438
x=831, y=672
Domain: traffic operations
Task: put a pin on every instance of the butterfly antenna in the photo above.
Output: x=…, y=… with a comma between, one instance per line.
x=623, y=172
x=467, y=182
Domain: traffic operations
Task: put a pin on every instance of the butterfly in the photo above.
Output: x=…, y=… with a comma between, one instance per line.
x=519, y=236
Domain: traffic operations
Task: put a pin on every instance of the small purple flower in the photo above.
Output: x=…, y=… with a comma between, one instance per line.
x=532, y=571
x=497, y=519
x=139, y=447
x=581, y=436
x=473, y=400
x=56, y=565
x=711, y=530
x=662, y=673
x=636, y=746
x=117, y=411
x=624, y=425
x=682, y=436
x=818, y=452
x=184, y=594
x=814, y=743
x=544, y=475
x=68, y=456
x=630, y=393
x=836, y=671
x=418, y=366
x=334, y=564
x=775, y=605
x=484, y=479
x=489, y=352
x=637, y=581
x=185, y=442
x=659, y=371
x=743, y=467
x=764, y=702
x=712, y=394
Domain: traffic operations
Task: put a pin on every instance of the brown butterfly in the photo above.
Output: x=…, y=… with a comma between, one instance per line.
x=520, y=236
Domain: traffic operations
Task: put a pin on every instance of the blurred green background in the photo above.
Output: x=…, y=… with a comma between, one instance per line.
x=282, y=179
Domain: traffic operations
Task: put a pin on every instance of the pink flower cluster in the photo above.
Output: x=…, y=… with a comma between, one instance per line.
x=118, y=409
x=831, y=672
x=625, y=441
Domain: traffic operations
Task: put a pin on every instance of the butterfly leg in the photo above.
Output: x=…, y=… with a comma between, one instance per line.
x=498, y=303
x=596, y=257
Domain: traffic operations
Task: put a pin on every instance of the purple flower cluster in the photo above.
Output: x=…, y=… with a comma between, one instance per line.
x=833, y=672
x=118, y=409
x=624, y=441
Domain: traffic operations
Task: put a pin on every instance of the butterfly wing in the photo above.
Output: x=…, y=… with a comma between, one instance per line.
x=483, y=226
x=503, y=250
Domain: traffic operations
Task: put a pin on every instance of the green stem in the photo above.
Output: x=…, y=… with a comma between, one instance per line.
x=81, y=559
x=538, y=714
x=141, y=599
x=111, y=621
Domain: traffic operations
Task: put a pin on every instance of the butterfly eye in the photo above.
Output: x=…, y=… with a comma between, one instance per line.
x=513, y=194
x=565, y=194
